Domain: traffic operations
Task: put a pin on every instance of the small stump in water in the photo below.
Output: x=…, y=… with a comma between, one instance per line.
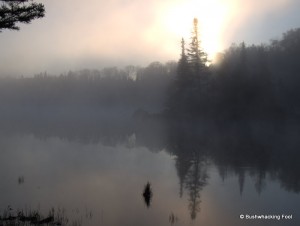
x=147, y=194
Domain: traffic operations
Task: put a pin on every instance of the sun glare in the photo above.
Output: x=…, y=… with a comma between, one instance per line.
x=212, y=15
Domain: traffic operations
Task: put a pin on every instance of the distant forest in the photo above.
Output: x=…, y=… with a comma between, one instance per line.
x=247, y=82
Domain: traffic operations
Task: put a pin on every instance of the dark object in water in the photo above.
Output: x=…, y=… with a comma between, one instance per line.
x=147, y=194
x=21, y=180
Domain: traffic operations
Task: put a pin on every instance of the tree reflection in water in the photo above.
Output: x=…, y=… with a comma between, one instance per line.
x=196, y=179
x=262, y=153
x=191, y=164
x=238, y=150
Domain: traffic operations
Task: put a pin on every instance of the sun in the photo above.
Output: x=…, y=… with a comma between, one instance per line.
x=212, y=16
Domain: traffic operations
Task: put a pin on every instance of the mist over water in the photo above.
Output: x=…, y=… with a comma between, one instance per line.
x=179, y=143
x=198, y=175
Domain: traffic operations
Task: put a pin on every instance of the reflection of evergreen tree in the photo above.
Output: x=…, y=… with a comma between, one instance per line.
x=183, y=164
x=223, y=170
x=288, y=171
x=181, y=145
x=260, y=181
x=195, y=181
x=190, y=162
x=241, y=178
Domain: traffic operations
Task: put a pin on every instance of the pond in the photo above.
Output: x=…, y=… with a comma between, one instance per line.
x=100, y=181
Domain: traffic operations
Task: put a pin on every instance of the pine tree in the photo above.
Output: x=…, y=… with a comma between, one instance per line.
x=197, y=58
x=183, y=68
x=19, y=11
x=183, y=62
x=188, y=89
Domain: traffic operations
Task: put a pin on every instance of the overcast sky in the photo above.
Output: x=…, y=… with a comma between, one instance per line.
x=78, y=34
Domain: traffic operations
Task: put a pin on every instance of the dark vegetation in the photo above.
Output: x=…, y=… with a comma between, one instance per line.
x=13, y=12
x=34, y=217
x=248, y=83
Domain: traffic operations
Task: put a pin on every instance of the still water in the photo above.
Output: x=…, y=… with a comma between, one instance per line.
x=95, y=182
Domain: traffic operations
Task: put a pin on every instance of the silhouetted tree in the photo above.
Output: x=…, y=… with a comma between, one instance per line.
x=197, y=58
x=189, y=93
x=181, y=84
x=243, y=57
x=19, y=11
x=183, y=70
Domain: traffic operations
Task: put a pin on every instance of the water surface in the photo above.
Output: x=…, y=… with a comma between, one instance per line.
x=101, y=181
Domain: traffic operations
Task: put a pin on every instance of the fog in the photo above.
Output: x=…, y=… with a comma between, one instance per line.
x=109, y=113
x=97, y=34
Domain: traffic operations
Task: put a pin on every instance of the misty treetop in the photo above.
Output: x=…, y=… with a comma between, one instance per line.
x=19, y=11
x=197, y=58
x=193, y=60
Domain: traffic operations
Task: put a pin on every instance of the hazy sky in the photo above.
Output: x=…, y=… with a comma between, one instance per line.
x=78, y=34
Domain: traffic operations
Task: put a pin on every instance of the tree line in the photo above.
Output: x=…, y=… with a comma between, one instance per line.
x=129, y=87
x=250, y=82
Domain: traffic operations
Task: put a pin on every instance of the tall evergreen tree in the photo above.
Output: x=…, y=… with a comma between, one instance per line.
x=187, y=89
x=183, y=62
x=197, y=58
x=179, y=83
x=183, y=68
